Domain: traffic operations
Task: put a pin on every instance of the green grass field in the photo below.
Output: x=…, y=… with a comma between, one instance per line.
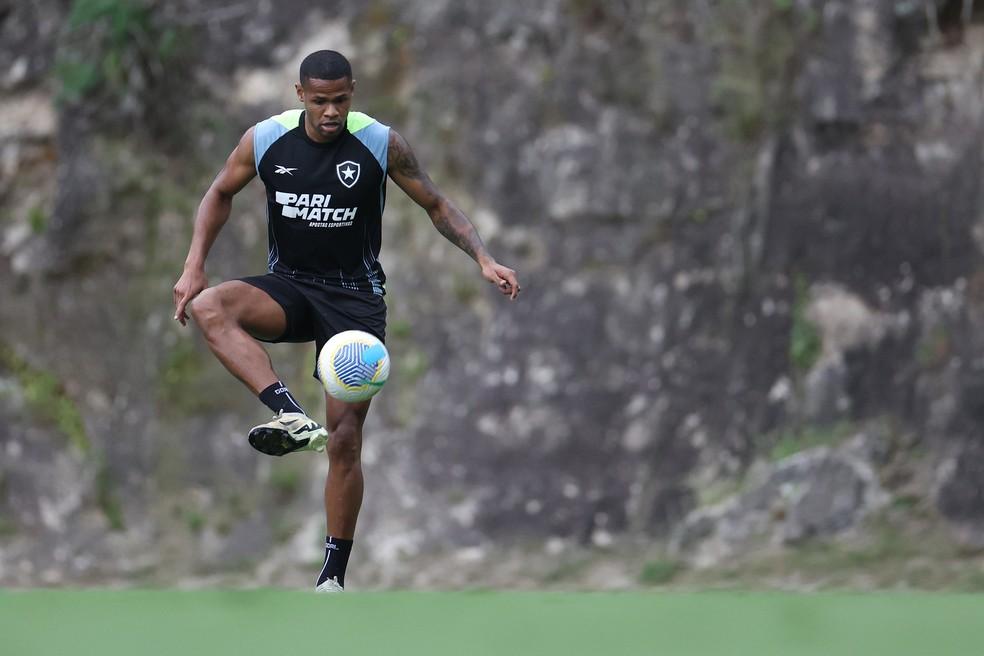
x=267, y=622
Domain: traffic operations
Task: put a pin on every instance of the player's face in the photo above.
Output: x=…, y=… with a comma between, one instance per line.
x=326, y=106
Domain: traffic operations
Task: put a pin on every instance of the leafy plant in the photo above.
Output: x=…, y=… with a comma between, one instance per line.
x=807, y=437
x=113, y=53
x=286, y=483
x=805, y=343
x=46, y=397
x=107, y=499
x=760, y=42
x=37, y=219
x=659, y=572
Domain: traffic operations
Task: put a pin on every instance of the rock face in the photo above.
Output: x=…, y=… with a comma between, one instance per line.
x=819, y=493
x=730, y=222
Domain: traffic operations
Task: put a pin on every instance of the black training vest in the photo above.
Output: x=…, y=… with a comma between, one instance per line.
x=324, y=200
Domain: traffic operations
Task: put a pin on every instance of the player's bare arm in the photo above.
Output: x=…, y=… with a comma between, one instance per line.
x=212, y=214
x=403, y=168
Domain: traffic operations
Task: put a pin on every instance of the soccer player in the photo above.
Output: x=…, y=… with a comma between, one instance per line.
x=325, y=170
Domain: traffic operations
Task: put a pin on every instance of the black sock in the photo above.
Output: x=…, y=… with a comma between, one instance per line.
x=336, y=559
x=277, y=397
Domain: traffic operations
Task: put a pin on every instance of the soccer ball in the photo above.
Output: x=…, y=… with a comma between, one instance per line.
x=353, y=366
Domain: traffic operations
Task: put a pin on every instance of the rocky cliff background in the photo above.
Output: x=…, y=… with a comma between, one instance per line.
x=748, y=350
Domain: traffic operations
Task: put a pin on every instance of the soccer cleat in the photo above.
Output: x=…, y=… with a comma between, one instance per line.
x=330, y=585
x=288, y=432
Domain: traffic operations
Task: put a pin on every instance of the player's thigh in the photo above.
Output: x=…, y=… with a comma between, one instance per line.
x=346, y=416
x=253, y=309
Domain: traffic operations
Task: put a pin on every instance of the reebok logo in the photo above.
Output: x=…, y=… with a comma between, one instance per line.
x=283, y=169
x=314, y=209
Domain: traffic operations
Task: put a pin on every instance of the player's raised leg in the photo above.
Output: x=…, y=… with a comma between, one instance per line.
x=232, y=316
x=343, y=488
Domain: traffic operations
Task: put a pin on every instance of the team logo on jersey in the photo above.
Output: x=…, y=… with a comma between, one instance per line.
x=283, y=169
x=348, y=173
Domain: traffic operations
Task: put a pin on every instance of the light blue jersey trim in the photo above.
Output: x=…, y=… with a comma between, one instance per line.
x=268, y=131
x=264, y=134
x=373, y=135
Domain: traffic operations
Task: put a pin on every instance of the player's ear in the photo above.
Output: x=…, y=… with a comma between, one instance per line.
x=300, y=91
x=352, y=86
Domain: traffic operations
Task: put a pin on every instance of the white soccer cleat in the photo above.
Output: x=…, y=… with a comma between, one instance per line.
x=330, y=585
x=288, y=432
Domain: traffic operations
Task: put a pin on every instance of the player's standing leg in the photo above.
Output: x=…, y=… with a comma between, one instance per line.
x=343, y=488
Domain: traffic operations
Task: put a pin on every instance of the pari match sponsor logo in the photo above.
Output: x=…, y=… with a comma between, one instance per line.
x=314, y=209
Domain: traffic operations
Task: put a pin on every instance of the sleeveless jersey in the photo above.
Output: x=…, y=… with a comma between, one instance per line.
x=324, y=200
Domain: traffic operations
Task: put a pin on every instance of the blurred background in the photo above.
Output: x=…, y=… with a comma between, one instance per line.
x=749, y=350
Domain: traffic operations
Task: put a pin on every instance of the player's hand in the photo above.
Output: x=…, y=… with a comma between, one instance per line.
x=502, y=277
x=189, y=285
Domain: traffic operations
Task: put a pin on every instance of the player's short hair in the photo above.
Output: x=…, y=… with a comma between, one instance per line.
x=325, y=65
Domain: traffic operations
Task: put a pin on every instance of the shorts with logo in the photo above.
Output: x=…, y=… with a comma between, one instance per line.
x=316, y=311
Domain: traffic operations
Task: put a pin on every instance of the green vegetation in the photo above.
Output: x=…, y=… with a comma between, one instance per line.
x=894, y=548
x=465, y=290
x=974, y=582
x=700, y=215
x=152, y=623
x=286, y=480
x=793, y=441
x=380, y=23
x=413, y=365
x=37, y=219
x=46, y=397
x=191, y=381
x=406, y=371
x=567, y=570
x=182, y=365
x=884, y=542
x=112, y=49
x=284, y=529
x=906, y=501
x=194, y=520
x=659, y=572
x=760, y=44
x=399, y=329
x=107, y=500
x=717, y=490
x=805, y=344
x=7, y=526
x=933, y=351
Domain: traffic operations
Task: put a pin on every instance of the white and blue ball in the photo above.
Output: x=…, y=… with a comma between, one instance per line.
x=353, y=366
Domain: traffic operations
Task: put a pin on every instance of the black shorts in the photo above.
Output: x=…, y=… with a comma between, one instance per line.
x=317, y=311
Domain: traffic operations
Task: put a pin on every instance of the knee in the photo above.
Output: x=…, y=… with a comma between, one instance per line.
x=208, y=310
x=345, y=446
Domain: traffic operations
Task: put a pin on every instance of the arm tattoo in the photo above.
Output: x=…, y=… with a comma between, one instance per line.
x=457, y=229
x=447, y=218
x=404, y=161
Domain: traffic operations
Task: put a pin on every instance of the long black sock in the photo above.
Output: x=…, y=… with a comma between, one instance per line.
x=336, y=560
x=277, y=397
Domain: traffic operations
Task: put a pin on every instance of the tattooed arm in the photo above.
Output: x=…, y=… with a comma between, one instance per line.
x=403, y=168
